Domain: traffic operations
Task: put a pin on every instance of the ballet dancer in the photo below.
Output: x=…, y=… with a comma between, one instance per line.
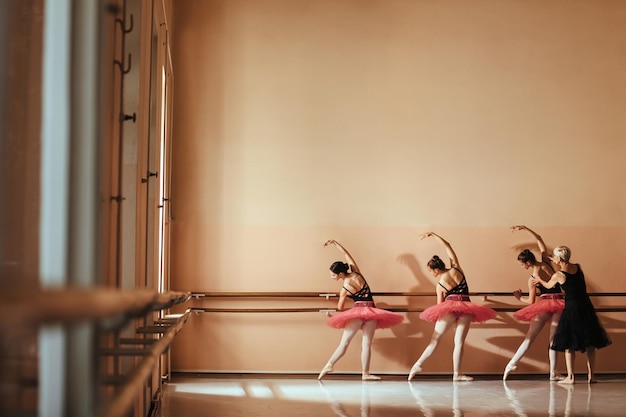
x=453, y=308
x=541, y=310
x=363, y=315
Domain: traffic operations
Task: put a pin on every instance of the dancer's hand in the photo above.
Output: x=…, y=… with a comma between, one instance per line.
x=517, y=228
x=330, y=242
x=425, y=235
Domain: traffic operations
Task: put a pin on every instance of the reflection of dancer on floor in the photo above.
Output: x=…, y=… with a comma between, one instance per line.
x=579, y=328
x=567, y=412
x=551, y=402
x=453, y=308
x=426, y=411
x=363, y=315
x=547, y=307
x=336, y=406
x=457, y=408
x=511, y=395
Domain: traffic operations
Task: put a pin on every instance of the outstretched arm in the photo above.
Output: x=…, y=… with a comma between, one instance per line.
x=451, y=254
x=343, y=250
x=540, y=242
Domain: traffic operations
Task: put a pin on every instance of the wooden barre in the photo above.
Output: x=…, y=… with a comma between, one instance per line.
x=617, y=309
x=40, y=307
x=134, y=384
x=252, y=294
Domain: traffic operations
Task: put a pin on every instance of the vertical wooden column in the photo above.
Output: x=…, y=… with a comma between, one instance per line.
x=70, y=193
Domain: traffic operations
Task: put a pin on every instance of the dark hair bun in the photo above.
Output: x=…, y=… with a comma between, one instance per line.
x=339, y=267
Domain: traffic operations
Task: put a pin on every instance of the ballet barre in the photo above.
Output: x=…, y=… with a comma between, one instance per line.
x=403, y=308
x=107, y=313
x=70, y=305
x=133, y=384
x=616, y=309
x=227, y=294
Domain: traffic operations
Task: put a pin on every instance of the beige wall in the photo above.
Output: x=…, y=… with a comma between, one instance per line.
x=370, y=121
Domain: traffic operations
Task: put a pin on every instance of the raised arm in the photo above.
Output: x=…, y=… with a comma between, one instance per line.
x=454, y=261
x=349, y=259
x=540, y=242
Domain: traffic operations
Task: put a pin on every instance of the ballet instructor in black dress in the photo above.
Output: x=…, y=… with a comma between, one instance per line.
x=579, y=328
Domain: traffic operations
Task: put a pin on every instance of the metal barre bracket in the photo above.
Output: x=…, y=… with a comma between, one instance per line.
x=327, y=296
x=327, y=312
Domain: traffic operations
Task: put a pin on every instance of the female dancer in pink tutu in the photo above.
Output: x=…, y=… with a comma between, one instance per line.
x=363, y=315
x=547, y=307
x=453, y=307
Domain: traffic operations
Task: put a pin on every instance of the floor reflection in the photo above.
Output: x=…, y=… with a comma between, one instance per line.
x=339, y=409
x=349, y=397
x=515, y=403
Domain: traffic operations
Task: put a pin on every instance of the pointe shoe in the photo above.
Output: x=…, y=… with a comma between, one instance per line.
x=328, y=368
x=462, y=378
x=414, y=370
x=507, y=371
x=566, y=381
x=370, y=377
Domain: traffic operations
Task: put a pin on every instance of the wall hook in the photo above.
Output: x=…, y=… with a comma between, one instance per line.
x=121, y=65
x=122, y=24
x=150, y=174
x=125, y=117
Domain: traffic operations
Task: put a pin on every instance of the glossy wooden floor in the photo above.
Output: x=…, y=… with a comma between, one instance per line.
x=347, y=396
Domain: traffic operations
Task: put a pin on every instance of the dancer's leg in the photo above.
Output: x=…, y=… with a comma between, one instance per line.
x=591, y=363
x=441, y=327
x=570, y=358
x=349, y=331
x=534, y=327
x=369, y=327
x=462, y=328
x=553, y=354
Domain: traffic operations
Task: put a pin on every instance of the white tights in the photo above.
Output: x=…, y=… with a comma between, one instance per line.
x=535, y=326
x=441, y=327
x=351, y=329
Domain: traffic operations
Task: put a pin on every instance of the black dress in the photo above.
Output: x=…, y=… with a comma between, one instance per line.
x=579, y=326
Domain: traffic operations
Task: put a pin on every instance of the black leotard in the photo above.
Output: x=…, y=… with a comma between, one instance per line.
x=364, y=294
x=461, y=288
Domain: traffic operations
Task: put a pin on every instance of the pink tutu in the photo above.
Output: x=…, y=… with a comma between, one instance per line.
x=548, y=303
x=459, y=305
x=365, y=311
